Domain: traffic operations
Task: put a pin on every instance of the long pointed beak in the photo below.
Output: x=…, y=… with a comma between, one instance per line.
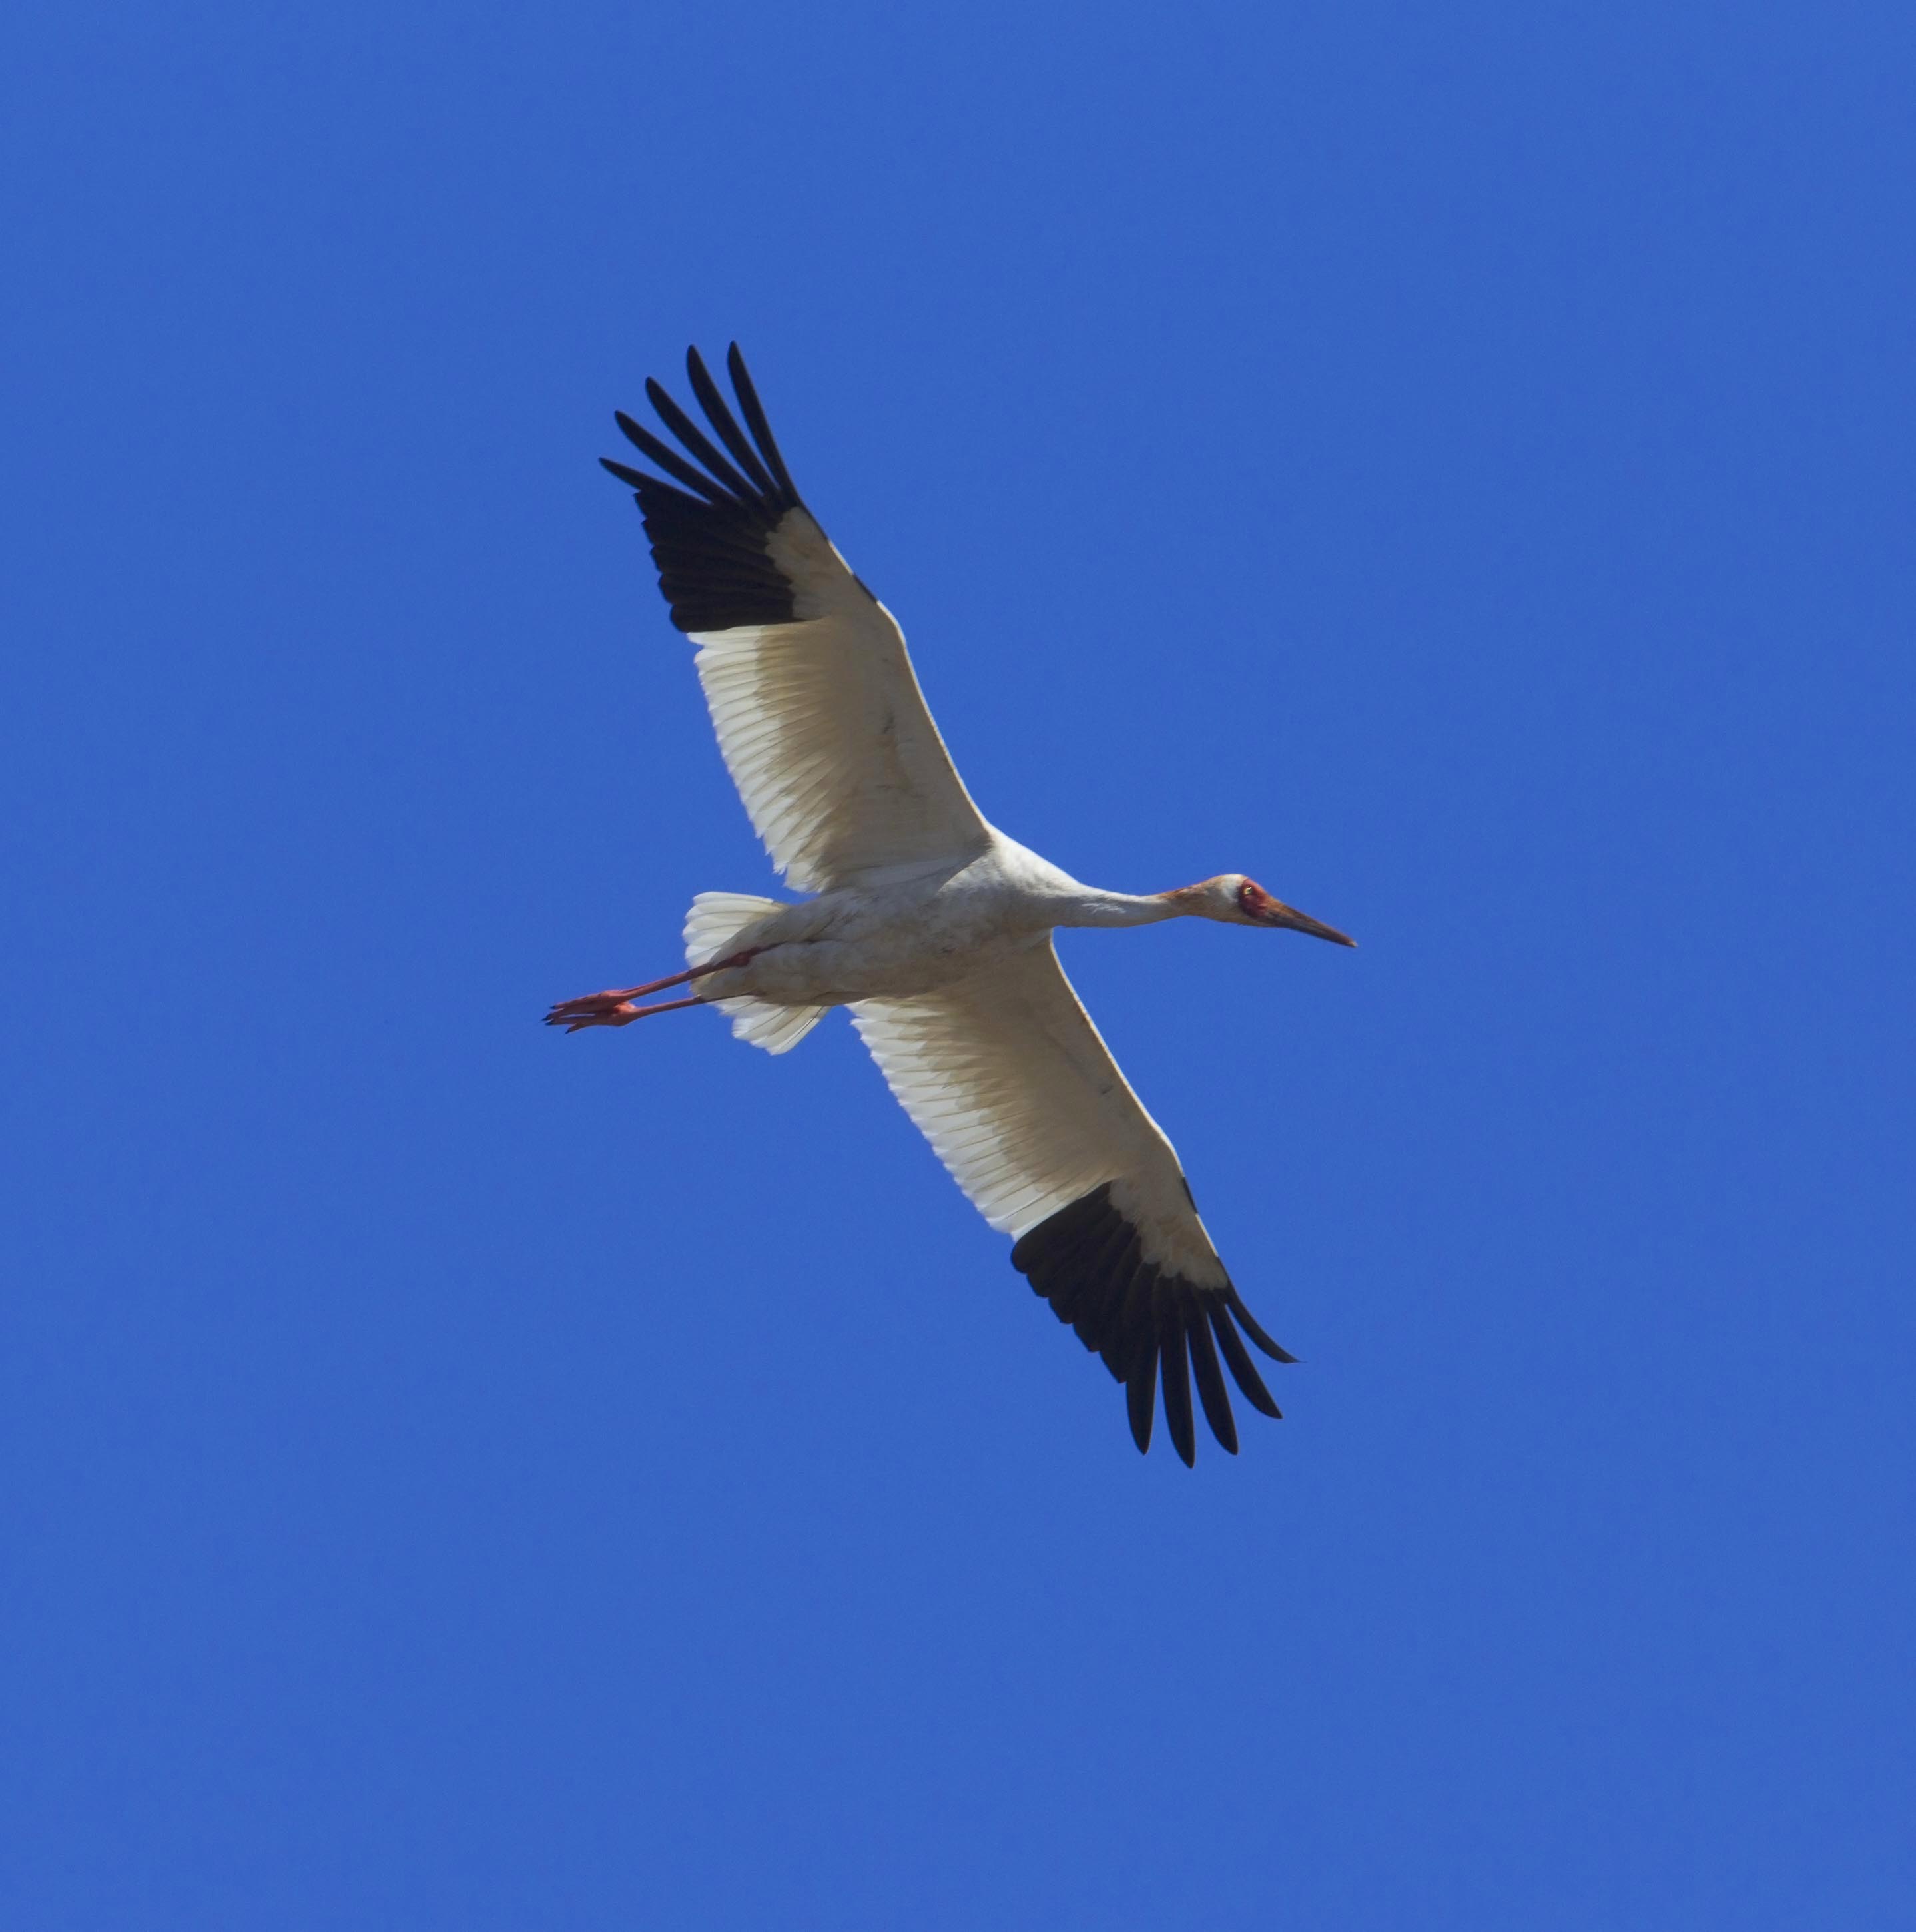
x=1298, y=922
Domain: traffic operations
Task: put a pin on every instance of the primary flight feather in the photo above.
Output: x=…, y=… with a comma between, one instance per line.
x=928, y=922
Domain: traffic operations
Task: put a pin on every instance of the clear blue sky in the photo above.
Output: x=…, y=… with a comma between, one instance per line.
x=1452, y=463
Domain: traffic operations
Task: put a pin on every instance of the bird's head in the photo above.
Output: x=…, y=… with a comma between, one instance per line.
x=1237, y=901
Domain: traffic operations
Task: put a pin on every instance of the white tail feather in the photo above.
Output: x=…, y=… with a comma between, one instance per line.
x=721, y=922
x=717, y=921
x=776, y=1029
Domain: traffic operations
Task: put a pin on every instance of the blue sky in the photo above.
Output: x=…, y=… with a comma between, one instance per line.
x=1452, y=463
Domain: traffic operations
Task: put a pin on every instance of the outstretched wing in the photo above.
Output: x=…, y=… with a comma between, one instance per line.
x=818, y=713
x=1009, y=1080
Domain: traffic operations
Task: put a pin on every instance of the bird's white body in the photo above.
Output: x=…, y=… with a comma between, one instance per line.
x=929, y=924
x=900, y=937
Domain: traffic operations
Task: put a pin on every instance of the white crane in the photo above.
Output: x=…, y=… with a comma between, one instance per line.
x=928, y=922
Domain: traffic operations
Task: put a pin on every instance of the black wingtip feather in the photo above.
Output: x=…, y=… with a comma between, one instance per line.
x=754, y=413
x=1087, y=1260
x=695, y=441
x=709, y=526
x=1176, y=1360
x=1211, y=1391
x=1257, y=1334
x=721, y=419
x=669, y=460
x=1243, y=1370
x=1141, y=1401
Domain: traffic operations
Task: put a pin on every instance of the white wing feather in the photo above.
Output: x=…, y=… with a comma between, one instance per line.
x=1006, y=1077
x=825, y=732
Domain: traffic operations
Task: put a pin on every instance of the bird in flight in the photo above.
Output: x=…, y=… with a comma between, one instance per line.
x=928, y=922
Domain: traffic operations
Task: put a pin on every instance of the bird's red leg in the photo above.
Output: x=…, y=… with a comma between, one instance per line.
x=591, y=1009
x=624, y=1014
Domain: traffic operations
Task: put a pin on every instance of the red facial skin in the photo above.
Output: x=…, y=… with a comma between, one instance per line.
x=1254, y=902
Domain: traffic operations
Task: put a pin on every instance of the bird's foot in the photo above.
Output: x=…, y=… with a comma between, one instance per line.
x=614, y=1007
x=608, y=1010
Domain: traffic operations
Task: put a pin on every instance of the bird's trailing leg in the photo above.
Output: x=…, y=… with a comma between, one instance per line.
x=622, y=1014
x=614, y=1006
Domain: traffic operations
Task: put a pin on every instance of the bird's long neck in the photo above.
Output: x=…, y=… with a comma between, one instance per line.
x=1086, y=905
